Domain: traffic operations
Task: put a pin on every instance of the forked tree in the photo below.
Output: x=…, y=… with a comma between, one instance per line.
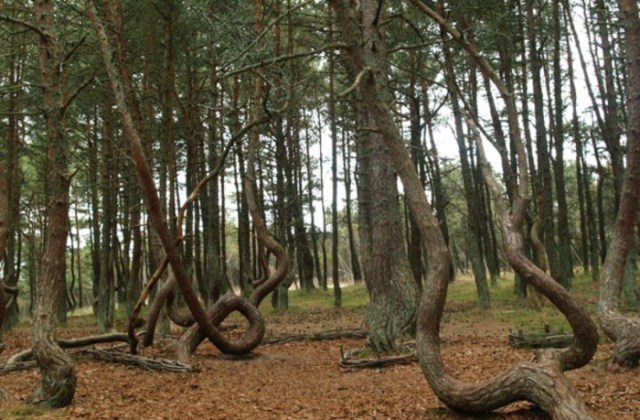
x=540, y=380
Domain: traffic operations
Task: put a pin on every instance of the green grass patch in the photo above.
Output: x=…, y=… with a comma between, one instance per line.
x=354, y=297
x=24, y=411
x=519, y=314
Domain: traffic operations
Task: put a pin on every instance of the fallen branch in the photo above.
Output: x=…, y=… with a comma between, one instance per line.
x=379, y=363
x=352, y=360
x=165, y=365
x=112, y=356
x=75, y=343
x=317, y=336
x=519, y=339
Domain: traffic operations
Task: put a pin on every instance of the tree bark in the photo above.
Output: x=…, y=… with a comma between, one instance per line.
x=4, y=234
x=155, y=210
x=470, y=193
x=18, y=56
x=335, y=274
x=393, y=292
x=624, y=331
x=540, y=381
x=58, y=384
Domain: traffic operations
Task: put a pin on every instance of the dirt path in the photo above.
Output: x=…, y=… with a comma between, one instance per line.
x=302, y=380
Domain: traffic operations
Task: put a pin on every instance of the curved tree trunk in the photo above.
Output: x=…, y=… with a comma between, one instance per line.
x=58, y=384
x=155, y=209
x=540, y=381
x=625, y=332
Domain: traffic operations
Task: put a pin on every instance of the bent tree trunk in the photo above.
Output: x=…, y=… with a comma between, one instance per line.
x=624, y=331
x=58, y=384
x=153, y=202
x=539, y=381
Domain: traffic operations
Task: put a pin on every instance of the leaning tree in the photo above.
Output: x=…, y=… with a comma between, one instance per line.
x=540, y=380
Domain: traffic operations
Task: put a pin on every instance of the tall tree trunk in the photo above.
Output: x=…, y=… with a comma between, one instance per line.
x=4, y=234
x=13, y=172
x=414, y=246
x=323, y=241
x=471, y=194
x=392, y=309
x=105, y=291
x=58, y=384
x=311, y=185
x=624, y=331
x=356, y=269
x=544, y=190
x=335, y=274
x=564, y=237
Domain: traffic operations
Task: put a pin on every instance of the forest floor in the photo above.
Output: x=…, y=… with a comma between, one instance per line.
x=303, y=379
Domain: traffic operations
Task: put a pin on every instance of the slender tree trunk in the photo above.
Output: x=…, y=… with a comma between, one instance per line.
x=105, y=292
x=15, y=119
x=4, y=234
x=311, y=203
x=323, y=241
x=335, y=274
x=353, y=249
x=58, y=384
x=544, y=190
x=564, y=237
x=471, y=194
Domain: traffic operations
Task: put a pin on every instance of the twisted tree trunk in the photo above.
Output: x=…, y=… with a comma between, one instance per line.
x=540, y=381
x=155, y=209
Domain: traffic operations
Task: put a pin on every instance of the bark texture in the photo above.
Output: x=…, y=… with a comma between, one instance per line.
x=58, y=384
x=624, y=331
x=540, y=381
x=157, y=217
x=392, y=289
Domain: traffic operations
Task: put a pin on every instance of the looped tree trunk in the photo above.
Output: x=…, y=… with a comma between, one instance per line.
x=228, y=303
x=158, y=219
